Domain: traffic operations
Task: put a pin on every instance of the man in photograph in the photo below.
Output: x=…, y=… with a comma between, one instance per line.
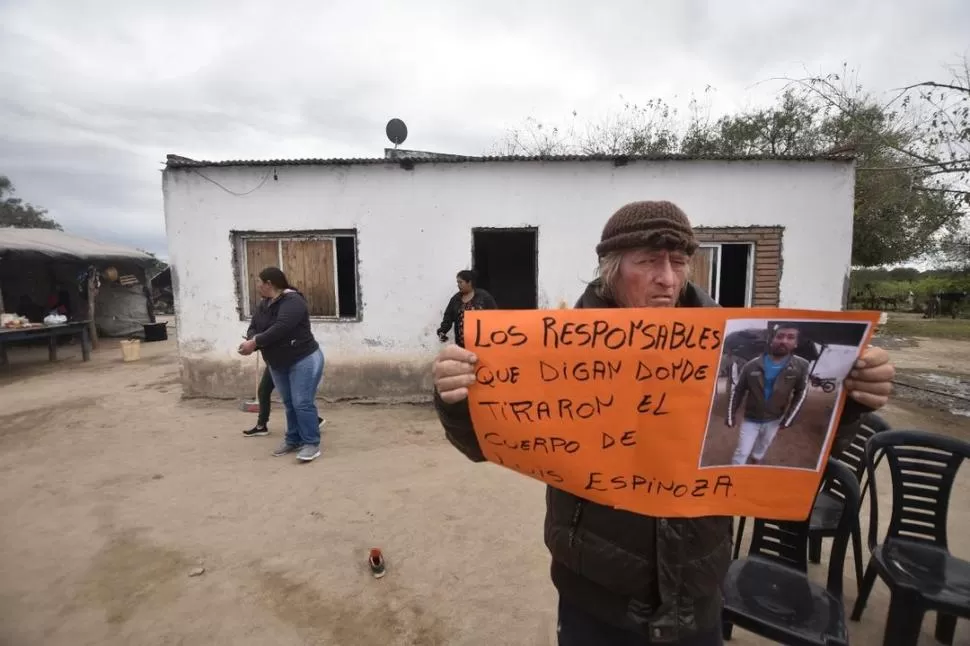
x=773, y=388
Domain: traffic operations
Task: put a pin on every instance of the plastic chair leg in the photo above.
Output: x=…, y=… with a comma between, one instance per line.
x=865, y=588
x=904, y=621
x=946, y=625
x=737, y=538
x=857, y=554
x=814, y=548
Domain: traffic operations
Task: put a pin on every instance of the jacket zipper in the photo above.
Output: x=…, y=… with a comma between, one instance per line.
x=575, y=522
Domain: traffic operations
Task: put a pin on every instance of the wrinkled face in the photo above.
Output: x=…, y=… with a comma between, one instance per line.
x=651, y=278
x=266, y=289
x=464, y=286
x=784, y=342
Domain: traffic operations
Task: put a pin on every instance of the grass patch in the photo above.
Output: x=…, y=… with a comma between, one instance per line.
x=941, y=328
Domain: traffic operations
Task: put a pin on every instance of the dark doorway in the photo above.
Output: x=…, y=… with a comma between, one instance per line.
x=505, y=260
x=735, y=259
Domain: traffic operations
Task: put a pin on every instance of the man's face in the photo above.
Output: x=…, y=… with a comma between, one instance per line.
x=784, y=342
x=651, y=278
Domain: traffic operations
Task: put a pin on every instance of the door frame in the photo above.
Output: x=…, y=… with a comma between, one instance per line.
x=749, y=270
x=534, y=230
x=715, y=264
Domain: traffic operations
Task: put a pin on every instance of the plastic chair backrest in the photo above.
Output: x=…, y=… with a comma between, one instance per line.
x=923, y=467
x=786, y=542
x=854, y=454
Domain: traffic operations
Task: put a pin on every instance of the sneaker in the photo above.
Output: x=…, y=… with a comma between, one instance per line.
x=256, y=431
x=376, y=561
x=321, y=422
x=285, y=449
x=309, y=453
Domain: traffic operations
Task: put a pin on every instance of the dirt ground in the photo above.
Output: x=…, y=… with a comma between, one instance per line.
x=933, y=373
x=798, y=446
x=114, y=490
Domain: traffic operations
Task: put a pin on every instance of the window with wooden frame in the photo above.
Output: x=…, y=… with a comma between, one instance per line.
x=322, y=265
x=739, y=266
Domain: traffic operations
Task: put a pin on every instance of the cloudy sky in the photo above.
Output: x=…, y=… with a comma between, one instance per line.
x=95, y=93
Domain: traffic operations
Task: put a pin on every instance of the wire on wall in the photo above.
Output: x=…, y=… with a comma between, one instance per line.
x=236, y=193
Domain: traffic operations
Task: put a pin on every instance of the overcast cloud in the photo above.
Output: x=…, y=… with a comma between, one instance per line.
x=95, y=93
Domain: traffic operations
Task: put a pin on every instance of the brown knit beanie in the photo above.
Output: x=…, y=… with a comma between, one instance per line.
x=660, y=225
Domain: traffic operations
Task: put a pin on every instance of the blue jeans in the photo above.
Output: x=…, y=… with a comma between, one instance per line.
x=298, y=386
x=578, y=628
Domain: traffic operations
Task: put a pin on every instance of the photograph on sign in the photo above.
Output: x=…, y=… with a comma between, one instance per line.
x=778, y=390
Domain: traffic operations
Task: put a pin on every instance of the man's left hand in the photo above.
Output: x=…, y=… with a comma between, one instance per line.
x=247, y=347
x=870, y=382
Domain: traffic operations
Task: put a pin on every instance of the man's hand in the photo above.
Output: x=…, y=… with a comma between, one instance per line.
x=870, y=382
x=247, y=347
x=454, y=372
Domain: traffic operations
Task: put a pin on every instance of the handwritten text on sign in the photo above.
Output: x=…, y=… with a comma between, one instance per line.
x=612, y=405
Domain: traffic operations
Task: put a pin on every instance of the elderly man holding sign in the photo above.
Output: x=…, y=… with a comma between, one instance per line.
x=625, y=578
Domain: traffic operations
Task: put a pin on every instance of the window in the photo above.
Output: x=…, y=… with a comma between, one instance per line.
x=723, y=270
x=322, y=265
x=740, y=266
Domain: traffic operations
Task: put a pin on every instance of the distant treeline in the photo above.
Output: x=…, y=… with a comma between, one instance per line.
x=932, y=292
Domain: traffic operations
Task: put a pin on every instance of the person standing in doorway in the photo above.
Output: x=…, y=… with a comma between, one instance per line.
x=469, y=297
x=294, y=359
x=626, y=579
x=773, y=387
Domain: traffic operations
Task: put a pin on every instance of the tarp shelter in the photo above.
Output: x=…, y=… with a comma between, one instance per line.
x=42, y=270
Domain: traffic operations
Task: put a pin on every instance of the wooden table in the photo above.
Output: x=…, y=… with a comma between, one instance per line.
x=50, y=332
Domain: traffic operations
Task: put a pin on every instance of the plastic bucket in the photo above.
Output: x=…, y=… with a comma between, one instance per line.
x=155, y=332
x=131, y=350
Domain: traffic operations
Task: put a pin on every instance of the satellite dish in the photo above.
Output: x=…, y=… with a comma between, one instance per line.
x=397, y=132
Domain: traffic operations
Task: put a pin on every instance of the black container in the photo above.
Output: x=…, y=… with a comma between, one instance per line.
x=156, y=332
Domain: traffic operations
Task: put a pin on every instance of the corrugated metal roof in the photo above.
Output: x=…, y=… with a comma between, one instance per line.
x=177, y=161
x=57, y=244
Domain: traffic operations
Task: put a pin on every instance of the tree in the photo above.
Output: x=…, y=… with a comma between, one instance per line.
x=899, y=210
x=925, y=140
x=14, y=212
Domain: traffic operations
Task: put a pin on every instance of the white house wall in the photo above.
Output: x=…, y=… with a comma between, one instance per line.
x=414, y=233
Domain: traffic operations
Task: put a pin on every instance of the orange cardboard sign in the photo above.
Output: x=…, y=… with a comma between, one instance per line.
x=670, y=412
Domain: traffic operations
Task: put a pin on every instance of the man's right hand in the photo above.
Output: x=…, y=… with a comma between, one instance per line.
x=454, y=372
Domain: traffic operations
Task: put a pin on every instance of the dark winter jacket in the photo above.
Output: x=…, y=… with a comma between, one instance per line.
x=455, y=313
x=659, y=577
x=281, y=329
x=787, y=396
x=260, y=319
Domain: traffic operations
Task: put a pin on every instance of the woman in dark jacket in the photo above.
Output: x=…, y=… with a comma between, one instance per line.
x=468, y=297
x=283, y=335
x=264, y=391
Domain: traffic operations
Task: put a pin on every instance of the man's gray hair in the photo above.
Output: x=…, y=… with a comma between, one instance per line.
x=608, y=275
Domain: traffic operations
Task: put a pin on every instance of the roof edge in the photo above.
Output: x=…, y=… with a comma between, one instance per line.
x=180, y=162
